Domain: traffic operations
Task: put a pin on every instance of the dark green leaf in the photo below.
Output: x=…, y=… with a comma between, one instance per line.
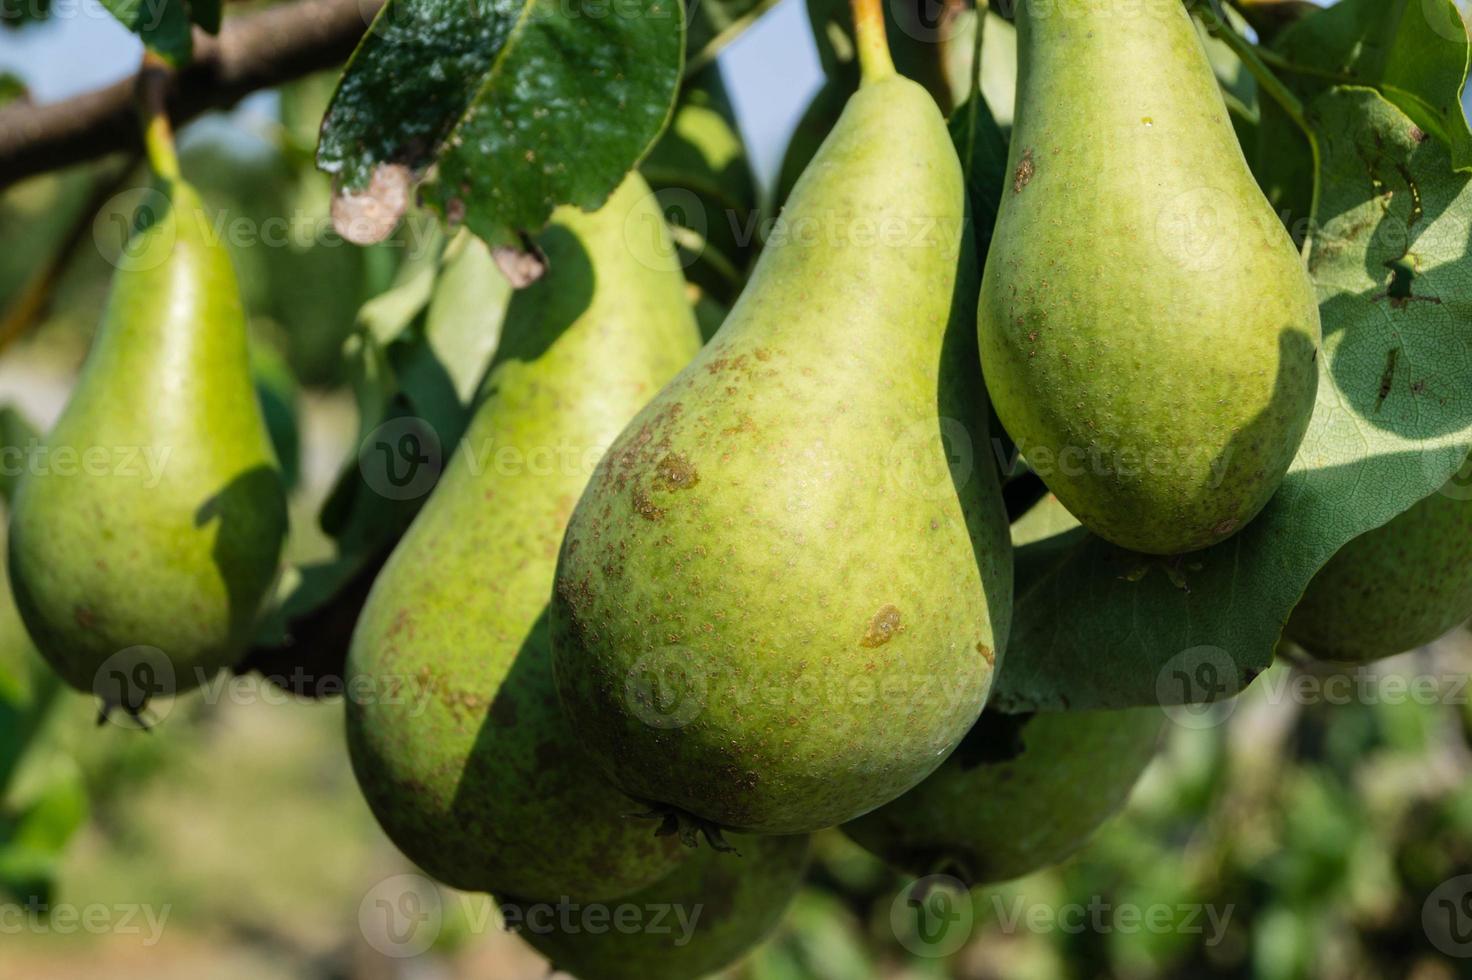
x=206, y=13
x=18, y=13
x=12, y=88
x=162, y=24
x=523, y=104
x=1414, y=52
x=1096, y=626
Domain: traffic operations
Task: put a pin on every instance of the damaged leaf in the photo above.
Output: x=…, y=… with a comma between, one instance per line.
x=521, y=105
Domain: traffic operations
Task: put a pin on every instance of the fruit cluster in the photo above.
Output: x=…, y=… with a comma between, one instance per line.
x=771, y=607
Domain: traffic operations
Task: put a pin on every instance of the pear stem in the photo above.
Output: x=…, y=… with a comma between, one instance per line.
x=158, y=135
x=875, y=64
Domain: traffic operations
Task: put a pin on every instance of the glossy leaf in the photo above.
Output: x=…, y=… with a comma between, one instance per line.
x=522, y=104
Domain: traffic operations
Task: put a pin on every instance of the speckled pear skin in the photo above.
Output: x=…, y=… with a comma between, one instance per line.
x=1020, y=794
x=1022, y=791
x=171, y=538
x=713, y=909
x=1395, y=588
x=776, y=539
x=1149, y=330
x=474, y=773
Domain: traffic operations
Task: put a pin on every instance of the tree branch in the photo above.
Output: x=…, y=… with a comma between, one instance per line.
x=253, y=52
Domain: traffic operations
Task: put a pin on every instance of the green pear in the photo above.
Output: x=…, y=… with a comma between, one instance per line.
x=1149, y=331
x=711, y=910
x=146, y=533
x=1395, y=588
x=1021, y=793
x=457, y=739
x=776, y=606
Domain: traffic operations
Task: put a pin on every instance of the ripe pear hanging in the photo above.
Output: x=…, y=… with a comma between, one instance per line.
x=1023, y=792
x=1148, y=329
x=458, y=741
x=777, y=607
x=714, y=908
x=146, y=531
x=1396, y=587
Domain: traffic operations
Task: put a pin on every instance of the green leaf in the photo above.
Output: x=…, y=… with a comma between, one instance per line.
x=12, y=86
x=32, y=843
x=420, y=353
x=522, y=104
x=715, y=24
x=162, y=24
x=983, y=151
x=1414, y=52
x=18, y=13
x=206, y=13
x=1097, y=626
x=17, y=437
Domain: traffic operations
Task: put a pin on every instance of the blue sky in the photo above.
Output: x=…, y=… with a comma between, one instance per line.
x=81, y=48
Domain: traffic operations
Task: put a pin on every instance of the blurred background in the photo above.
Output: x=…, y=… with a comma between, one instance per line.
x=1297, y=831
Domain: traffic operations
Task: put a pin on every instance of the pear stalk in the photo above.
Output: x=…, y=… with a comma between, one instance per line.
x=875, y=63
x=158, y=134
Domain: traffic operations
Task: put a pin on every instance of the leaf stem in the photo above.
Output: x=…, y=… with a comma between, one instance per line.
x=1275, y=60
x=1247, y=53
x=974, y=99
x=153, y=110
x=875, y=64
